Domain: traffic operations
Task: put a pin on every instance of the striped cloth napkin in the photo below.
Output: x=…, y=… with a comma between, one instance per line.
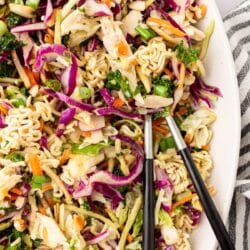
x=237, y=24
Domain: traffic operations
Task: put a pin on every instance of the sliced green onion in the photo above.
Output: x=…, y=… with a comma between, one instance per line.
x=145, y=33
x=19, y=102
x=84, y=93
x=15, y=157
x=167, y=143
x=38, y=180
x=161, y=90
x=3, y=28
x=53, y=84
x=33, y=3
x=93, y=149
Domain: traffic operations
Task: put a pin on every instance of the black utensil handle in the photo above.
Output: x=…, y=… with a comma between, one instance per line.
x=207, y=202
x=148, y=208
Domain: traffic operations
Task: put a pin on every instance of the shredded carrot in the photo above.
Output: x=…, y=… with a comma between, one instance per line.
x=203, y=9
x=122, y=48
x=206, y=147
x=79, y=222
x=50, y=201
x=169, y=73
x=158, y=121
x=129, y=238
x=183, y=201
x=86, y=134
x=182, y=111
x=189, y=198
x=140, y=141
x=31, y=76
x=46, y=187
x=42, y=210
x=166, y=24
x=16, y=190
x=12, y=197
x=182, y=76
x=160, y=129
x=107, y=2
x=3, y=109
x=51, y=32
x=35, y=165
x=41, y=125
x=118, y=102
x=48, y=39
x=65, y=156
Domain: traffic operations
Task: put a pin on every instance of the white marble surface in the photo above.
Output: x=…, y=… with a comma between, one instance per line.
x=226, y=5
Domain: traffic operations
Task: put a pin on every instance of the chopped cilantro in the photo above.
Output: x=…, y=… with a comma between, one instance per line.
x=7, y=69
x=14, y=19
x=8, y=42
x=188, y=55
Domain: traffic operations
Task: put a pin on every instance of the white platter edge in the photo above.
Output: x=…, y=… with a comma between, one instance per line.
x=227, y=129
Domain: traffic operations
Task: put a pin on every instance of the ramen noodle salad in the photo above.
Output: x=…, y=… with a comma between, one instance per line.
x=76, y=79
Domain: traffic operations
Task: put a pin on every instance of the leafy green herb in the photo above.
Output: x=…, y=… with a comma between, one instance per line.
x=164, y=218
x=167, y=143
x=140, y=89
x=138, y=224
x=14, y=236
x=162, y=114
x=85, y=205
x=8, y=210
x=123, y=189
x=115, y=81
x=117, y=171
x=145, y=33
x=53, y=84
x=14, y=19
x=92, y=149
x=38, y=180
x=37, y=242
x=163, y=87
x=8, y=42
x=188, y=55
x=15, y=157
x=65, y=40
x=7, y=69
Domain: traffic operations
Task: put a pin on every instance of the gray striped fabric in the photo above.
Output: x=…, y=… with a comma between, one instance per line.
x=237, y=24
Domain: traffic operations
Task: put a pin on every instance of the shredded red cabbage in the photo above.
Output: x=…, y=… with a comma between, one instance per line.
x=4, y=56
x=29, y=27
x=66, y=117
x=194, y=214
x=49, y=11
x=108, y=178
x=200, y=91
x=109, y=192
x=92, y=44
x=107, y=97
x=49, y=53
x=98, y=238
x=2, y=122
x=116, y=9
x=44, y=142
x=70, y=101
x=113, y=111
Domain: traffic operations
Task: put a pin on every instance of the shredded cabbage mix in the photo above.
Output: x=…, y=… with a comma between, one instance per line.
x=76, y=79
